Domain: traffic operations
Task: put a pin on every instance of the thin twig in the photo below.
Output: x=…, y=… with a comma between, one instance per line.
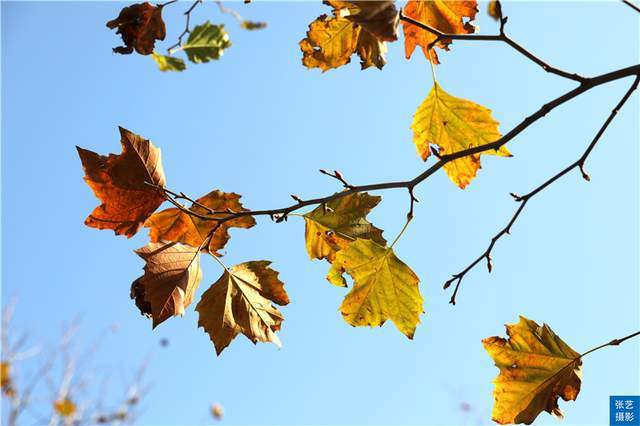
x=502, y=37
x=632, y=5
x=524, y=199
x=186, y=30
x=614, y=342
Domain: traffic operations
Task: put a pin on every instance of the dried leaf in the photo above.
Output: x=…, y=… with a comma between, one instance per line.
x=171, y=277
x=379, y=18
x=217, y=412
x=454, y=124
x=494, y=9
x=175, y=225
x=536, y=368
x=168, y=63
x=384, y=287
x=206, y=42
x=330, y=43
x=140, y=25
x=65, y=407
x=120, y=182
x=330, y=229
x=252, y=25
x=447, y=16
x=240, y=302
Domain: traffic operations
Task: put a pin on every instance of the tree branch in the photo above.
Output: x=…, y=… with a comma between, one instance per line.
x=187, y=29
x=632, y=5
x=502, y=37
x=524, y=199
x=614, y=342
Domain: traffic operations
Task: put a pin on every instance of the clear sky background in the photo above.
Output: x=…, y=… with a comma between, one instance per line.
x=260, y=124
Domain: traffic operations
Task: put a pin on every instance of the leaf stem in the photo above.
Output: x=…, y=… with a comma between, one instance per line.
x=404, y=228
x=614, y=342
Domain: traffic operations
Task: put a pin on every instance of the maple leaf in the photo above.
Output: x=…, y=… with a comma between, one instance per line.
x=175, y=225
x=64, y=407
x=536, y=368
x=140, y=25
x=171, y=277
x=120, y=182
x=206, y=42
x=360, y=27
x=454, y=124
x=332, y=227
x=384, y=287
x=240, y=302
x=168, y=63
x=447, y=16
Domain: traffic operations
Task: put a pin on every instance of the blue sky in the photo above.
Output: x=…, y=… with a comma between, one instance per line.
x=260, y=124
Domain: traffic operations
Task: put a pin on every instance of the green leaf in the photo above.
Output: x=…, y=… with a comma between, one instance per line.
x=206, y=42
x=168, y=63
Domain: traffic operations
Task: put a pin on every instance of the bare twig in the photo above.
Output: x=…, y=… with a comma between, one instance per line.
x=524, y=199
x=187, y=28
x=632, y=5
x=614, y=342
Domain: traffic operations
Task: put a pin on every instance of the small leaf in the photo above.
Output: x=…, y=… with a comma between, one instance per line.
x=206, y=42
x=536, y=368
x=454, y=124
x=330, y=230
x=171, y=277
x=168, y=63
x=175, y=225
x=384, y=287
x=240, y=302
x=217, y=412
x=252, y=25
x=494, y=9
x=120, y=182
x=140, y=25
x=447, y=16
x=65, y=407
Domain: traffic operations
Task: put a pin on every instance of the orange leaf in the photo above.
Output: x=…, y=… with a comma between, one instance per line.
x=447, y=16
x=140, y=25
x=119, y=181
x=175, y=225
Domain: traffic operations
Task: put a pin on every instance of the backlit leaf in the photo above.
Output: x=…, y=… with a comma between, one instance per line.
x=140, y=25
x=168, y=63
x=384, y=287
x=379, y=18
x=175, y=225
x=119, y=181
x=330, y=43
x=64, y=407
x=330, y=229
x=240, y=302
x=171, y=277
x=536, y=368
x=206, y=42
x=447, y=16
x=454, y=124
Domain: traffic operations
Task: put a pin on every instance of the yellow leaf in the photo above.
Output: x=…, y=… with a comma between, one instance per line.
x=447, y=16
x=330, y=229
x=5, y=374
x=384, y=287
x=240, y=302
x=171, y=276
x=536, y=368
x=65, y=407
x=454, y=124
x=330, y=43
x=494, y=9
x=175, y=225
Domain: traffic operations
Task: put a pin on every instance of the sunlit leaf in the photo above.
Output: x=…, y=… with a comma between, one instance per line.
x=140, y=25
x=206, y=42
x=175, y=225
x=378, y=18
x=447, y=16
x=454, y=124
x=536, y=368
x=384, y=287
x=120, y=182
x=332, y=227
x=168, y=63
x=494, y=9
x=65, y=407
x=240, y=302
x=171, y=277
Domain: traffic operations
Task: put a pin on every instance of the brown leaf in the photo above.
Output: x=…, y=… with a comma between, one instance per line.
x=447, y=16
x=378, y=18
x=119, y=181
x=171, y=277
x=140, y=25
x=240, y=302
x=175, y=225
x=494, y=9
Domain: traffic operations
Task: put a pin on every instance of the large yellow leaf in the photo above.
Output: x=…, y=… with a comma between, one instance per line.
x=171, y=277
x=329, y=229
x=175, y=225
x=384, y=287
x=447, y=16
x=240, y=302
x=536, y=368
x=121, y=183
x=454, y=124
